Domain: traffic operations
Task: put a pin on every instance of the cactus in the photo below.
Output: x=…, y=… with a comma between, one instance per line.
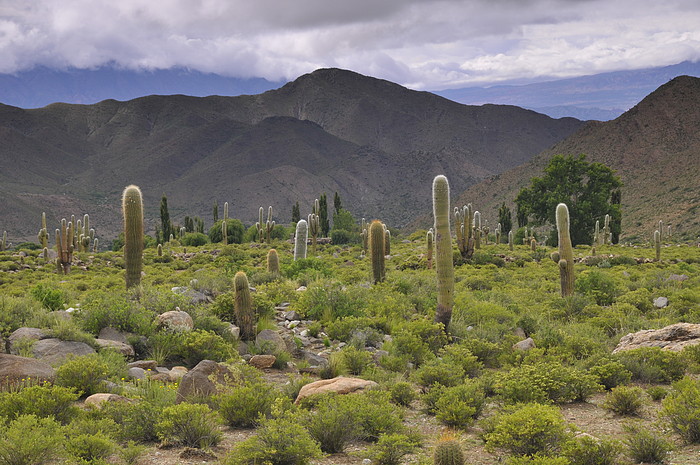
x=132, y=209
x=300, y=238
x=273, y=262
x=606, y=230
x=668, y=231
x=510, y=240
x=387, y=241
x=269, y=225
x=596, y=233
x=429, y=238
x=377, y=241
x=657, y=244
x=443, y=251
x=661, y=229
x=448, y=452
x=45, y=254
x=64, y=247
x=565, y=256
x=43, y=235
x=498, y=233
x=259, y=226
x=224, y=222
x=477, y=230
x=183, y=231
x=95, y=245
x=3, y=243
x=533, y=244
x=243, y=306
x=159, y=250
x=365, y=237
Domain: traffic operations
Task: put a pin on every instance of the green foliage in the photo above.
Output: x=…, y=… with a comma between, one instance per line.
x=85, y=373
x=199, y=345
x=537, y=459
x=587, y=450
x=334, y=423
x=597, y=284
x=102, y=309
x=527, y=430
x=448, y=451
x=402, y=393
x=355, y=360
x=652, y=364
x=136, y=420
x=234, y=232
x=89, y=440
x=681, y=409
x=586, y=188
x=645, y=445
x=50, y=298
x=459, y=406
x=328, y=300
x=242, y=405
x=194, y=239
x=189, y=425
x=391, y=448
x=610, y=373
x=30, y=440
x=43, y=401
x=625, y=400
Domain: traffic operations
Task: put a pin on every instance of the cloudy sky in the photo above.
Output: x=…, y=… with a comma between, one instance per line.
x=420, y=43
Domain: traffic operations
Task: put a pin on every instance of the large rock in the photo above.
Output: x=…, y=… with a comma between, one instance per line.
x=97, y=400
x=202, y=379
x=14, y=369
x=112, y=334
x=23, y=334
x=675, y=337
x=55, y=351
x=122, y=348
x=270, y=341
x=176, y=320
x=525, y=344
x=339, y=385
x=262, y=361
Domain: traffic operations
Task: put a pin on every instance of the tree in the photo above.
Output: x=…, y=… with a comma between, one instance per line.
x=296, y=214
x=165, y=224
x=337, y=205
x=586, y=188
x=343, y=220
x=323, y=215
x=216, y=211
x=504, y=218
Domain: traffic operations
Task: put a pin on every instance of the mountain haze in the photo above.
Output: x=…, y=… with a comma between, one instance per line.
x=655, y=149
x=376, y=143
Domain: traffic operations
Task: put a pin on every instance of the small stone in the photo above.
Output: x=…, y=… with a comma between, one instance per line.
x=291, y=315
x=262, y=361
x=525, y=344
x=136, y=373
x=301, y=288
x=661, y=302
x=176, y=373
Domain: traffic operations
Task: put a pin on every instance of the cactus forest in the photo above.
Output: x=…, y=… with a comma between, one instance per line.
x=473, y=341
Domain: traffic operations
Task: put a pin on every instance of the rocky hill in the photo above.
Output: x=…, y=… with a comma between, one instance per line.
x=374, y=142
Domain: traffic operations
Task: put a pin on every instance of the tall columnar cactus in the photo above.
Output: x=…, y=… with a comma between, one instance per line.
x=510, y=239
x=243, y=306
x=259, y=225
x=463, y=230
x=43, y=235
x=661, y=229
x=565, y=257
x=443, y=251
x=269, y=225
x=606, y=230
x=273, y=261
x=668, y=231
x=224, y=222
x=64, y=247
x=448, y=452
x=657, y=244
x=300, y=238
x=159, y=250
x=596, y=233
x=85, y=242
x=429, y=236
x=533, y=244
x=477, y=230
x=498, y=233
x=132, y=209
x=314, y=223
x=377, y=242
x=3, y=243
x=95, y=245
x=365, y=236
x=387, y=241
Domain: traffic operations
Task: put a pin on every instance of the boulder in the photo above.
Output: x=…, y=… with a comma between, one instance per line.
x=525, y=344
x=112, y=334
x=55, y=351
x=177, y=373
x=675, y=337
x=34, y=334
x=315, y=361
x=339, y=385
x=661, y=302
x=145, y=364
x=14, y=369
x=262, y=361
x=96, y=400
x=200, y=381
x=176, y=320
x=136, y=373
x=270, y=341
x=122, y=348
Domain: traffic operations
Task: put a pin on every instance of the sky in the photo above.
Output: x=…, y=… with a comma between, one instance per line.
x=418, y=43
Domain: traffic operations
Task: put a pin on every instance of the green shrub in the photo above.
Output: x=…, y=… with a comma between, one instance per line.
x=189, y=425
x=458, y=406
x=90, y=447
x=355, y=360
x=50, y=298
x=234, y=231
x=402, y=393
x=43, y=401
x=334, y=424
x=84, y=373
x=344, y=329
x=645, y=445
x=625, y=400
x=29, y=440
x=681, y=409
x=527, y=430
x=376, y=414
x=391, y=448
x=201, y=345
x=597, y=284
x=610, y=373
x=328, y=300
x=486, y=352
x=194, y=239
x=279, y=441
x=657, y=393
x=441, y=372
x=102, y=309
x=137, y=420
x=587, y=450
x=652, y=364
x=242, y=405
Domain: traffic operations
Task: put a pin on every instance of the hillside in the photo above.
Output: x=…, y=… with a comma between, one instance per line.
x=655, y=149
x=376, y=143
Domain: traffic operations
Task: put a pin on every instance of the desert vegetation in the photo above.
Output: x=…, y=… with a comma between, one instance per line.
x=493, y=348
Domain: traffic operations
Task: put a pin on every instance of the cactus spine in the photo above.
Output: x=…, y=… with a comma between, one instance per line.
x=377, y=242
x=243, y=306
x=510, y=240
x=300, y=239
x=565, y=258
x=132, y=209
x=657, y=244
x=443, y=251
x=273, y=262
x=429, y=238
x=448, y=452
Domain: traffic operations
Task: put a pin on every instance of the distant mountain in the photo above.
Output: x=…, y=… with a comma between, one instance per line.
x=42, y=86
x=374, y=142
x=601, y=97
x=655, y=149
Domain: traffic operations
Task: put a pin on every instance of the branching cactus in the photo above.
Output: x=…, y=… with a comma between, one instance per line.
x=565, y=256
x=132, y=209
x=657, y=244
x=477, y=230
x=314, y=224
x=64, y=247
x=43, y=235
x=243, y=306
x=443, y=251
x=448, y=452
x=429, y=239
x=510, y=239
x=377, y=241
x=269, y=225
x=300, y=238
x=259, y=225
x=273, y=262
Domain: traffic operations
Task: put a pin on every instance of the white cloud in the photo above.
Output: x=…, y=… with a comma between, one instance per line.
x=422, y=43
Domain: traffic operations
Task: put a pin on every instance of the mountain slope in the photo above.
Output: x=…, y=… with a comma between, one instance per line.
x=655, y=149
x=376, y=143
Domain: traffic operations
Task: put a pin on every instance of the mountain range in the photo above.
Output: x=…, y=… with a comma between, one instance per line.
x=374, y=142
